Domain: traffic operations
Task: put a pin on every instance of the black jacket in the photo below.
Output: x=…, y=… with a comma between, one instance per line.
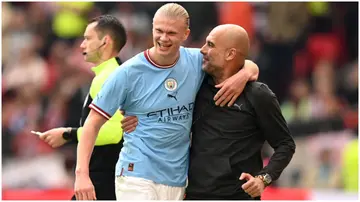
x=227, y=141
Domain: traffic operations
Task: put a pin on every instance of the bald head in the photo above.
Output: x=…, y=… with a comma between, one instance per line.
x=233, y=36
x=225, y=51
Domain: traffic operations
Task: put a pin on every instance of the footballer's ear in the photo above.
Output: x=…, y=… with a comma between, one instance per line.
x=187, y=33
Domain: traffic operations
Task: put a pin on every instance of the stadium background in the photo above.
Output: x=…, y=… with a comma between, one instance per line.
x=307, y=53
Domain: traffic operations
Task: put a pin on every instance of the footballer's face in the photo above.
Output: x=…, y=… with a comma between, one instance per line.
x=168, y=34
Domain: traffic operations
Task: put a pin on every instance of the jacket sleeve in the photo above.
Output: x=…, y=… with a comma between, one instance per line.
x=275, y=130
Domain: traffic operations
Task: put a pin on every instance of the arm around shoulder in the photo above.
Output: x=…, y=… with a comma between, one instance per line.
x=252, y=69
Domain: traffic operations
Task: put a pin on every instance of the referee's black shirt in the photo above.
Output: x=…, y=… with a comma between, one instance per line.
x=227, y=141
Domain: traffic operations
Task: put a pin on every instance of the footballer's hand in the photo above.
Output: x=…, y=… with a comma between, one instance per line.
x=84, y=188
x=230, y=89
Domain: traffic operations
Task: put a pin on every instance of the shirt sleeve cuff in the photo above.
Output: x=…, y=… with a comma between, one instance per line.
x=100, y=111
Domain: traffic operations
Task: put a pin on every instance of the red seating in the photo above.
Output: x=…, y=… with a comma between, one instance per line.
x=324, y=46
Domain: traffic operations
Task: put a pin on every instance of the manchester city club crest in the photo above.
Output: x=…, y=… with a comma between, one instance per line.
x=170, y=84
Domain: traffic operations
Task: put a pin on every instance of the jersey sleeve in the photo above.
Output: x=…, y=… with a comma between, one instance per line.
x=112, y=94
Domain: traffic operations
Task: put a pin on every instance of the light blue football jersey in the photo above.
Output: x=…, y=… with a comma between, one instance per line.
x=163, y=100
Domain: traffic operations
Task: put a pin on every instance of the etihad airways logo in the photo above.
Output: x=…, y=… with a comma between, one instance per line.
x=178, y=113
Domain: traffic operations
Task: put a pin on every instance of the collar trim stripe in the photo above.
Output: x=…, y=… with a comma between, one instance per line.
x=147, y=56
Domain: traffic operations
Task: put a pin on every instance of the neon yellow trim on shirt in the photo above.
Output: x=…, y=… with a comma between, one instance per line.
x=111, y=132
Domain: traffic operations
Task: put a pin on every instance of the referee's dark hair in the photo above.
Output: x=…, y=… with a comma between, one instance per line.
x=108, y=24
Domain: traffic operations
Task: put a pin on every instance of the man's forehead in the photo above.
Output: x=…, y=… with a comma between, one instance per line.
x=92, y=25
x=211, y=37
x=90, y=29
x=218, y=36
x=163, y=21
x=166, y=27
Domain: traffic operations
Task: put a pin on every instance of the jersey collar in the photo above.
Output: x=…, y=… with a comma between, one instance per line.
x=102, y=66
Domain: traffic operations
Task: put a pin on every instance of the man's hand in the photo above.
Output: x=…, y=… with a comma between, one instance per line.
x=54, y=137
x=84, y=188
x=129, y=123
x=230, y=90
x=232, y=87
x=254, y=186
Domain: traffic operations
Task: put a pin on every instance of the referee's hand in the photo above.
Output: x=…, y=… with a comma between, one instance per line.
x=84, y=188
x=53, y=137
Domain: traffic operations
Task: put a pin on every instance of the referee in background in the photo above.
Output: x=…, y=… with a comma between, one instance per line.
x=225, y=155
x=104, y=37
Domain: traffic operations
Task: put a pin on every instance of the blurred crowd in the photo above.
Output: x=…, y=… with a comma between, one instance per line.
x=307, y=54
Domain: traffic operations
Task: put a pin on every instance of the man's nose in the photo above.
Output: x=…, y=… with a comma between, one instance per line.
x=164, y=37
x=203, y=50
x=82, y=45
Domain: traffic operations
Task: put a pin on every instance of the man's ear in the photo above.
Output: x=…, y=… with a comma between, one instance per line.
x=230, y=54
x=107, y=39
x=187, y=33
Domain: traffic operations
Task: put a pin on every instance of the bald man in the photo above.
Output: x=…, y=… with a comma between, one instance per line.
x=225, y=155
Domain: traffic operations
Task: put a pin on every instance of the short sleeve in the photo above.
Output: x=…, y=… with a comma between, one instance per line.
x=112, y=94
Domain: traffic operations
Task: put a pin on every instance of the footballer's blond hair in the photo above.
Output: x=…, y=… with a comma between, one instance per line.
x=174, y=10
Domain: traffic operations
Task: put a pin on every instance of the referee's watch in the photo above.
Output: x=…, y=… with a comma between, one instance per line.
x=70, y=134
x=67, y=134
x=266, y=178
